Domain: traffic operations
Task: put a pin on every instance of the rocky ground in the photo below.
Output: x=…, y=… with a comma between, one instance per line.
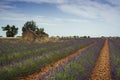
x=101, y=70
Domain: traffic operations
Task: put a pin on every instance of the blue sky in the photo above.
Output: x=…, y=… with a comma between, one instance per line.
x=64, y=17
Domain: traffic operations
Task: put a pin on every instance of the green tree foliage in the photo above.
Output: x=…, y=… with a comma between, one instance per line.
x=11, y=30
x=40, y=31
x=29, y=25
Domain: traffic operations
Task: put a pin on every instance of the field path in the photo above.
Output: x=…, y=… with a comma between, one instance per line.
x=46, y=70
x=101, y=70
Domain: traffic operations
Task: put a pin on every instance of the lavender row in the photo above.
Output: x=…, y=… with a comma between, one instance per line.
x=114, y=59
x=78, y=68
x=21, y=51
x=34, y=63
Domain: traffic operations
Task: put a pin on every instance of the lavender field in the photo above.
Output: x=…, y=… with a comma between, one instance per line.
x=19, y=60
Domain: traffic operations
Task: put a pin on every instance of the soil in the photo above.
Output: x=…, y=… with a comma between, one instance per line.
x=46, y=70
x=101, y=70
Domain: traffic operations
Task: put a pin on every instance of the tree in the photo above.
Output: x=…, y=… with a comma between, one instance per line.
x=29, y=25
x=40, y=31
x=11, y=30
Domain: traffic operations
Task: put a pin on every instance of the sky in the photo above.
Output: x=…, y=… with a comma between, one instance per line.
x=93, y=18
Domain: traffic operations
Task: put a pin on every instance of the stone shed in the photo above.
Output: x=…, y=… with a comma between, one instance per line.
x=31, y=36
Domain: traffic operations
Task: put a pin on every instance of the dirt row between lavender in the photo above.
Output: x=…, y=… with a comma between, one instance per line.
x=101, y=70
x=45, y=70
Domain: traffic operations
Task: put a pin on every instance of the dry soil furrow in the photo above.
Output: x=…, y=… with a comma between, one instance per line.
x=48, y=68
x=101, y=70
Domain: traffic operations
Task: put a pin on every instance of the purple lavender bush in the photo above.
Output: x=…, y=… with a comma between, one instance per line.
x=114, y=59
x=78, y=68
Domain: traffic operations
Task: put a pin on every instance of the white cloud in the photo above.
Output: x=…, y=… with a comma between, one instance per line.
x=114, y=2
x=41, y=20
x=85, y=9
x=90, y=9
x=40, y=1
x=3, y=6
x=82, y=11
